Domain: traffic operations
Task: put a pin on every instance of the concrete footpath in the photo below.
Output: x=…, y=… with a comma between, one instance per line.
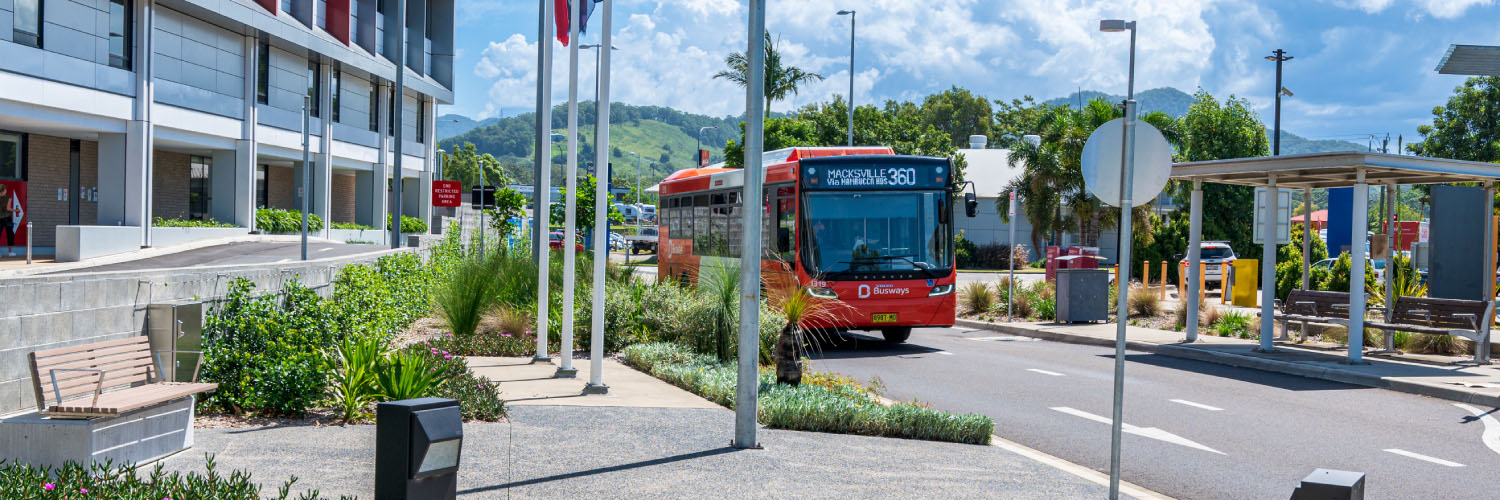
x=1428, y=377
x=647, y=439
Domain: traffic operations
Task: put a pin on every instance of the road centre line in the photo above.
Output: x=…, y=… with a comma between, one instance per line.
x=1422, y=457
x=1200, y=406
x=1044, y=372
x=1491, y=436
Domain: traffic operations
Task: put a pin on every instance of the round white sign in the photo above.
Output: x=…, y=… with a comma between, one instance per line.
x=1101, y=162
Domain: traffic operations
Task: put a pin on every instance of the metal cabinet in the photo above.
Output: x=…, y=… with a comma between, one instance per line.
x=1082, y=295
x=176, y=326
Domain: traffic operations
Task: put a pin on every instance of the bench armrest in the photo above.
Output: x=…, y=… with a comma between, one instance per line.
x=1473, y=320
x=98, y=384
x=161, y=373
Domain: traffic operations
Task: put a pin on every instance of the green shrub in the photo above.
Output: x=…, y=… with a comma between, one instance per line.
x=1232, y=324
x=275, y=220
x=978, y=297
x=1144, y=302
x=160, y=222
x=964, y=251
x=355, y=365
x=468, y=293
x=409, y=225
x=478, y=398
x=128, y=482
x=350, y=225
x=410, y=374
x=840, y=406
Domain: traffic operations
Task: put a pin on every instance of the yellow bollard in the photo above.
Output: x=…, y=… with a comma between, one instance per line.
x=1163, y=293
x=1182, y=282
x=1202, y=281
x=1146, y=273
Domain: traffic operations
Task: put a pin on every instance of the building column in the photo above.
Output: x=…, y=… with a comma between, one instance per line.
x=1268, y=219
x=323, y=175
x=381, y=170
x=424, y=185
x=245, y=153
x=139, y=138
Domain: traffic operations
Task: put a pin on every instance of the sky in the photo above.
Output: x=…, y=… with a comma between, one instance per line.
x=1360, y=67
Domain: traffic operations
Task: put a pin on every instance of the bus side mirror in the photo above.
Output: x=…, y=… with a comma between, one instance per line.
x=1177, y=256
x=783, y=239
x=971, y=205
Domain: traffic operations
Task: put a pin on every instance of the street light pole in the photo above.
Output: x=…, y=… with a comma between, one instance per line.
x=1279, y=56
x=851, y=14
x=1122, y=280
x=699, y=160
x=396, y=185
x=306, y=171
x=747, y=387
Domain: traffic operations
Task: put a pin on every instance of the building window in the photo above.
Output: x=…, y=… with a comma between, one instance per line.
x=286, y=6
x=28, y=23
x=198, y=195
x=338, y=86
x=119, y=33
x=374, y=107
x=421, y=121
x=263, y=73
x=314, y=87
x=12, y=168
x=262, y=196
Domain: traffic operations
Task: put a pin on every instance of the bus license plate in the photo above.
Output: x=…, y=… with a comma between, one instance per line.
x=883, y=317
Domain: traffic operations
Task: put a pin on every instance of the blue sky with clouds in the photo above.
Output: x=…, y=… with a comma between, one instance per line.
x=1361, y=67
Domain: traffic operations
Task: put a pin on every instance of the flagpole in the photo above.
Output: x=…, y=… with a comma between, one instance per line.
x=571, y=196
x=601, y=210
x=542, y=197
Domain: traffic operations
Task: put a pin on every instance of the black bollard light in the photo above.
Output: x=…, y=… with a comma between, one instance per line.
x=1329, y=484
x=417, y=447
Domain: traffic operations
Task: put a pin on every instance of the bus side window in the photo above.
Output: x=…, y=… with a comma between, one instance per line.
x=786, y=221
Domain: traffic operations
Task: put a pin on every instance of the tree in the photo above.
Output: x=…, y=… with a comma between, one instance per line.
x=958, y=113
x=1015, y=120
x=780, y=80
x=1467, y=128
x=1210, y=131
x=584, y=219
x=464, y=163
x=509, y=204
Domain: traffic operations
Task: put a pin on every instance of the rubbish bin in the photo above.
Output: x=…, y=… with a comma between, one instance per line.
x=1082, y=295
x=1246, y=276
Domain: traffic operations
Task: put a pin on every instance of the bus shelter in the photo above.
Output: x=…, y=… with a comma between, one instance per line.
x=1307, y=172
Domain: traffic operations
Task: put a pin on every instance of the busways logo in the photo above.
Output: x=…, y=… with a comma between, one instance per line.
x=867, y=291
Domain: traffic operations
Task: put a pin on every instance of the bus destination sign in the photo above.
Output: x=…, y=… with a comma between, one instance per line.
x=877, y=176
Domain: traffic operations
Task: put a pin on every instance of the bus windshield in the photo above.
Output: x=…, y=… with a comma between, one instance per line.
x=875, y=231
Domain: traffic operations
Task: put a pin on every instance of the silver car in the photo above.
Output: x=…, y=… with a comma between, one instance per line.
x=1214, y=255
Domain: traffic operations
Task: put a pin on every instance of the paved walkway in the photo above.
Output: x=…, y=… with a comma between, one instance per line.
x=1425, y=375
x=647, y=439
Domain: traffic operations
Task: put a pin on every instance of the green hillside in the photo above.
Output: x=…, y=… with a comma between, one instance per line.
x=1166, y=99
x=665, y=139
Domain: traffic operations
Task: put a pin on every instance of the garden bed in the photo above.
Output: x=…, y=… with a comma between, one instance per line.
x=823, y=403
x=72, y=481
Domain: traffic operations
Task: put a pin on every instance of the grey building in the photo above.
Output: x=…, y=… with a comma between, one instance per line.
x=991, y=173
x=116, y=112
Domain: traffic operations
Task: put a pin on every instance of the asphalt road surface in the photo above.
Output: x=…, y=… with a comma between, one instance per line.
x=236, y=254
x=1193, y=429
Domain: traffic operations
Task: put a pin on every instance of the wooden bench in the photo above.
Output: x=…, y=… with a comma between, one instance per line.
x=1469, y=319
x=1313, y=306
x=105, y=379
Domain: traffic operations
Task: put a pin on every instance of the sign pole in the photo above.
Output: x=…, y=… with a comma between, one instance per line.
x=541, y=213
x=748, y=387
x=1122, y=280
x=1010, y=295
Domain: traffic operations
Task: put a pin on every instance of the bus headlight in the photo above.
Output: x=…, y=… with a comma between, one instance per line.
x=822, y=293
x=941, y=290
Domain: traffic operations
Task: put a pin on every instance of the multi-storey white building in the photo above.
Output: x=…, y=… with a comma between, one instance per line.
x=114, y=112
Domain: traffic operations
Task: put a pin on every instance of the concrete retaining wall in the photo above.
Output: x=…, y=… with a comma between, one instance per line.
x=43, y=312
x=370, y=235
x=170, y=236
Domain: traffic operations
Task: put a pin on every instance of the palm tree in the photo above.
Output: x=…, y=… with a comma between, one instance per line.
x=780, y=80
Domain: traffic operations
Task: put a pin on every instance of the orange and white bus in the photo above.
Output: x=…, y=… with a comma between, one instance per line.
x=863, y=225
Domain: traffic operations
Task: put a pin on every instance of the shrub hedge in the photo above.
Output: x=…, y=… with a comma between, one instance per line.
x=160, y=222
x=126, y=482
x=840, y=407
x=275, y=220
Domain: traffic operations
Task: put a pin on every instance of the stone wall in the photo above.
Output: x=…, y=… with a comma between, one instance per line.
x=45, y=312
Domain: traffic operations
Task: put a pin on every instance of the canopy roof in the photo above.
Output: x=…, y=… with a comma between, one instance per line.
x=1470, y=60
x=1333, y=170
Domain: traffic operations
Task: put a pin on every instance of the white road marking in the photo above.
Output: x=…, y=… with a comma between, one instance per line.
x=1011, y=338
x=1491, y=436
x=1044, y=372
x=1200, y=406
x=1422, y=457
x=945, y=353
x=325, y=249
x=1148, y=432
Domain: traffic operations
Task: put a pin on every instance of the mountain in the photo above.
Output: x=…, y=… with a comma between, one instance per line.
x=451, y=124
x=1166, y=99
x=664, y=138
x=1295, y=144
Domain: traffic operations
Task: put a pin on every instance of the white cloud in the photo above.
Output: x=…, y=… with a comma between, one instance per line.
x=1368, y=6
x=1449, y=9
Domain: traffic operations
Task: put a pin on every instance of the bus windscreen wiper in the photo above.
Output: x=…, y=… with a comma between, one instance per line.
x=906, y=258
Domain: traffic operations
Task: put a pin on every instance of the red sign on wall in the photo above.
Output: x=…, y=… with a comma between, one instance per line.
x=447, y=193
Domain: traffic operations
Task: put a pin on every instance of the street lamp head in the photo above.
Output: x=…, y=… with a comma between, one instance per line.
x=1115, y=25
x=845, y=12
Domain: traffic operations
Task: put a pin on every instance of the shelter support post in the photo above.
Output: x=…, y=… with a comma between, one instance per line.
x=1268, y=268
x=1358, y=228
x=1389, y=345
x=1195, y=278
x=1307, y=209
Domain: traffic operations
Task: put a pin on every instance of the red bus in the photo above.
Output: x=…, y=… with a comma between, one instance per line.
x=863, y=225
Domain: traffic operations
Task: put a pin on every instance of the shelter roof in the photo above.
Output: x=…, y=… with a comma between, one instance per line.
x=1338, y=169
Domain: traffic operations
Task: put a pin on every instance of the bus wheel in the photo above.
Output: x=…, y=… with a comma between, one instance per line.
x=896, y=335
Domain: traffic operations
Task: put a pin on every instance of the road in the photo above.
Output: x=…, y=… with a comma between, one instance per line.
x=236, y=254
x=1195, y=430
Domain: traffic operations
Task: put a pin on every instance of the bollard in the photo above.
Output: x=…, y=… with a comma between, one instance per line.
x=1163, y=293
x=1182, y=269
x=1329, y=484
x=1203, y=282
x=1146, y=274
x=1226, y=273
x=28, y=243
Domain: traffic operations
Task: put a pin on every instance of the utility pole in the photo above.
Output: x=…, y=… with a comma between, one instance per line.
x=1279, y=56
x=852, y=16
